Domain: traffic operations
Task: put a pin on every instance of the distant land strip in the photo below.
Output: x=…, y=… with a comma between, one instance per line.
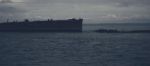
x=121, y=31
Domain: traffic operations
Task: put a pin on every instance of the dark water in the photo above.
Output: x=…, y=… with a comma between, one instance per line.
x=77, y=49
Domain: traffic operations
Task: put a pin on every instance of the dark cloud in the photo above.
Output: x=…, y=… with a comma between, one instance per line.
x=10, y=10
x=6, y=1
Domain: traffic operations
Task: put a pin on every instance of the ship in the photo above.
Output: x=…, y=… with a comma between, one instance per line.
x=49, y=25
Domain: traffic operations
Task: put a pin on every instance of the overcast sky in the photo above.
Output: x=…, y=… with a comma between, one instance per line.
x=92, y=10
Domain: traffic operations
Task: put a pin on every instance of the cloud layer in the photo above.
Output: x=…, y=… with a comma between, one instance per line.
x=101, y=10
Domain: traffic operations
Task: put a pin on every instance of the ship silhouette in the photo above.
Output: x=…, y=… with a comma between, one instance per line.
x=50, y=25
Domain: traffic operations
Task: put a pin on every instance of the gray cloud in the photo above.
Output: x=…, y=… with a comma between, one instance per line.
x=9, y=10
x=124, y=2
x=89, y=9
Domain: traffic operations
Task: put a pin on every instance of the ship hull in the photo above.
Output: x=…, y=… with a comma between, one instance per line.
x=43, y=26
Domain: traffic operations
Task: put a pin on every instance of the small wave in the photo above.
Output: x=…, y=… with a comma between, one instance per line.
x=121, y=31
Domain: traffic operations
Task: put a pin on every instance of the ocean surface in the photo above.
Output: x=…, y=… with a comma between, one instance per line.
x=87, y=48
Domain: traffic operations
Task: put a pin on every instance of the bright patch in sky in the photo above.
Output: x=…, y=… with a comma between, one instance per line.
x=17, y=0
